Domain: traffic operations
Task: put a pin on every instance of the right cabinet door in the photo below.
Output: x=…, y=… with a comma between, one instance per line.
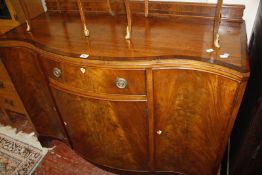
x=193, y=112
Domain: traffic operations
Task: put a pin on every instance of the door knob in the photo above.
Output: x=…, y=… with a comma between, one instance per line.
x=83, y=70
x=57, y=72
x=159, y=132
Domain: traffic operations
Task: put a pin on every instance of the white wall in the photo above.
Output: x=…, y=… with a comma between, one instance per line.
x=249, y=13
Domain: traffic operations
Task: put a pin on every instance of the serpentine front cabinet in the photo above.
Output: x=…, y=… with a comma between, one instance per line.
x=156, y=103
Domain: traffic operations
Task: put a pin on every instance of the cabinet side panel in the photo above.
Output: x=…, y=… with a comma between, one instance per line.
x=193, y=110
x=24, y=69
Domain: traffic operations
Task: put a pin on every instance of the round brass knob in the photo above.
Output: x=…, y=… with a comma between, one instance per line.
x=121, y=83
x=57, y=72
x=159, y=132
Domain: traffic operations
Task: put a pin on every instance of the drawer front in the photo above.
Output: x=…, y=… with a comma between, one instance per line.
x=98, y=80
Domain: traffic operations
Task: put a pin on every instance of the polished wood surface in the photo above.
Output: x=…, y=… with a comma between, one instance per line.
x=156, y=8
x=17, y=16
x=172, y=111
x=217, y=22
x=112, y=134
x=6, y=86
x=153, y=38
x=34, y=7
x=23, y=67
x=83, y=18
x=129, y=20
x=11, y=23
x=26, y=15
x=151, y=118
x=9, y=99
x=193, y=109
x=97, y=80
x=146, y=7
x=217, y=18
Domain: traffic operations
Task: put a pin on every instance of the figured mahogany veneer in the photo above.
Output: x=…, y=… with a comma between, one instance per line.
x=192, y=110
x=29, y=80
x=176, y=111
x=103, y=80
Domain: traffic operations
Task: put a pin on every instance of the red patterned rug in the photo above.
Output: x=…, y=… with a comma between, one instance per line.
x=20, y=153
x=62, y=160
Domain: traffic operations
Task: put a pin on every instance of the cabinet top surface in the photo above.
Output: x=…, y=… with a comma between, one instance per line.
x=153, y=38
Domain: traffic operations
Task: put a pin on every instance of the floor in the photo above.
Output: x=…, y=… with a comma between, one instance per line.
x=63, y=161
x=60, y=160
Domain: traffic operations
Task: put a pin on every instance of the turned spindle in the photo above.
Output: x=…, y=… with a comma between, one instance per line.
x=129, y=20
x=83, y=18
x=217, y=22
x=26, y=15
x=146, y=8
x=109, y=7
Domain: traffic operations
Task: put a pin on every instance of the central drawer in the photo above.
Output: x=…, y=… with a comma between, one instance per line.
x=97, y=80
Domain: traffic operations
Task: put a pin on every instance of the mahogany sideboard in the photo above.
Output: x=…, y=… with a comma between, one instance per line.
x=156, y=103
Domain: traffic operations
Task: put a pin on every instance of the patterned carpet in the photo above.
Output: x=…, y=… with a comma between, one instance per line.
x=61, y=160
x=20, y=153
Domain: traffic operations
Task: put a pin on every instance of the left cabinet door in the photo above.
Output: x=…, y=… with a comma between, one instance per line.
x=108, y=133
x=25, y=71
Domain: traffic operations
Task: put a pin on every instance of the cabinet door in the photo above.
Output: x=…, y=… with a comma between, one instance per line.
x=193, y=114
x=108, y=133
x=24, y=69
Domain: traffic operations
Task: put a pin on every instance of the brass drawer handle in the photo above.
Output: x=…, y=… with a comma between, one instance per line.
x=121, y=83
x=57, y=72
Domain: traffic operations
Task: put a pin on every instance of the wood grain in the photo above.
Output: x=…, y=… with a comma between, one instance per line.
x=129, y=20
x=161, y=39
x=178, y=109
x=193, y=110
x=17, y=16
x=151, y=117
x=97, y=80
x=112, y=134
x=33, y=90
x=156, y=8
x=26, y=15
x=83, y=18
